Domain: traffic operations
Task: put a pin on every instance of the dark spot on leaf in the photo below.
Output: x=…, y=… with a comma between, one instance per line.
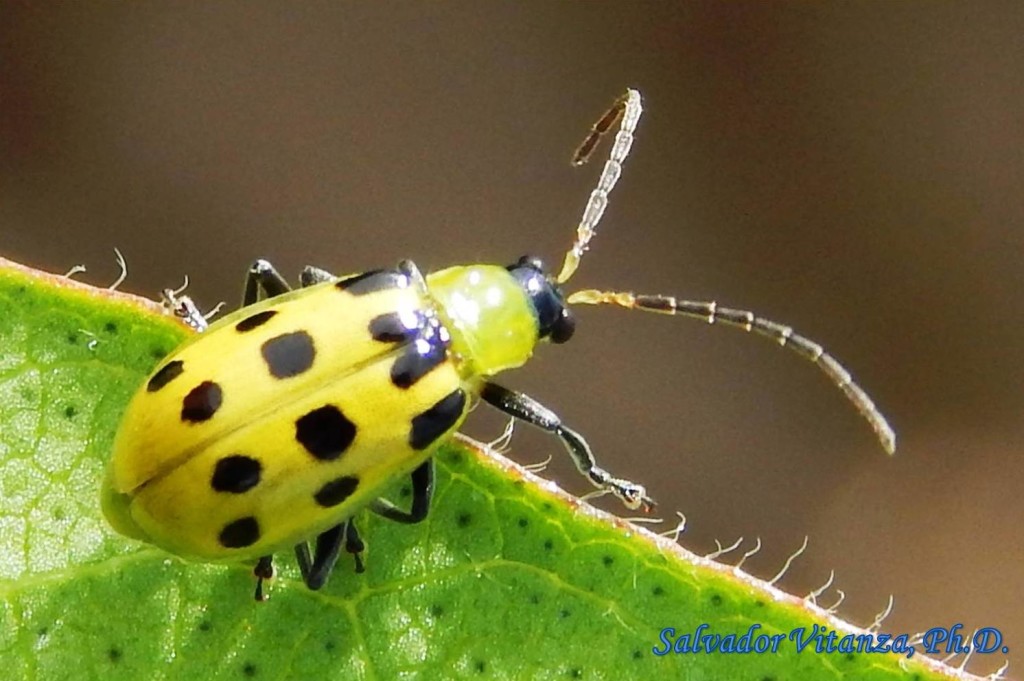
x=249, y=669
x=464, y=519
x=637, y=654
x=564, y=613
x=158, y=352
x=548, y=545
x=204, y=626
x=759, y=603
x=329, y=646
x=70, y=411
x=716, y=600
x=480, y=666
x=73, y=338
x=455, y=458
x=523, y=522
x=576, y=673
x=43, y=631
x=534, y=598
x=436, y=610
x=114, y=655
x=607, y=560
x=110, y=327
x=58, y=514
x=546, y=506
x=657, y=591
x=850, y=657
x=405, y=491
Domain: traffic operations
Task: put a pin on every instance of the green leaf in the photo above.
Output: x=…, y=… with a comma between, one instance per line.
x=509, y=578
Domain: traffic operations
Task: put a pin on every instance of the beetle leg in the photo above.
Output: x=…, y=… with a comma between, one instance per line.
x=354, y=544
x=264, y=570
x=310, y=276
x=263, y=276
x=527, y=409
x=422, y=492
x=316, y=569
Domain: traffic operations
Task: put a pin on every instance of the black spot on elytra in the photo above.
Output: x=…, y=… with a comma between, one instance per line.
x=202, y=402
x=716, y=600
x=373, y=281
x=418, y=360
x=325, y=432
x=289, y=354
x=236, y=474
x=165, y=375
x=254, y=320
x=391, y=327
x=436, y=421
x=240, y=533
x=336, y=491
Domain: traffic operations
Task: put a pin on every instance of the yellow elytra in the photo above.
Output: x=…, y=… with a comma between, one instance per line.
x=276, y=424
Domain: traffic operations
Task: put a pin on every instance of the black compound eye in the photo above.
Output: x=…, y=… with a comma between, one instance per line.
x=563, y=328
x=530, y=261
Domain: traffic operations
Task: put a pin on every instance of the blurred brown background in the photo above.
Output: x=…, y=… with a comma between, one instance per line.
x=853, y=170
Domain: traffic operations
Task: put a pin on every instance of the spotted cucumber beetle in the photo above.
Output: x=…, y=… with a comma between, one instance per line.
x=283, y=419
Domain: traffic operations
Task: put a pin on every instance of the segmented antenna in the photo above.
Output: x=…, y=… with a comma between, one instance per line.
x=626, y=108
x=741, y=319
